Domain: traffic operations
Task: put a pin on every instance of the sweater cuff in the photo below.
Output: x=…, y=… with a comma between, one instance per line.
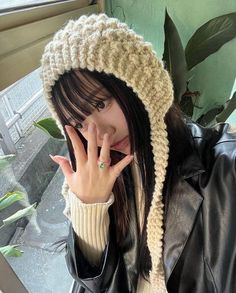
x=90, y=223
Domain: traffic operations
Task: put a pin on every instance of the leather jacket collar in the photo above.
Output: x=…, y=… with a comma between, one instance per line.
x=185, y=200
x=181, y=209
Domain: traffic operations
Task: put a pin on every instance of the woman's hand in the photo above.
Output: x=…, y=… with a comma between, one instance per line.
x=92, y=182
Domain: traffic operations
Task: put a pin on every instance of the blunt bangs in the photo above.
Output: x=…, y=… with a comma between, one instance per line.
x=76, y=95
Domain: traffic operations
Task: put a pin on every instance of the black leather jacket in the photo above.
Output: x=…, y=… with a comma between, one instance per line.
x=200, y=227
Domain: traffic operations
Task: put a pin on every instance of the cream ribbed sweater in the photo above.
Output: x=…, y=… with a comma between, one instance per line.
x=91, y=223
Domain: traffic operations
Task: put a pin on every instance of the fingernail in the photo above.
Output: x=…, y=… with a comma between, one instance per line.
x=52, y=157
x=68, y=127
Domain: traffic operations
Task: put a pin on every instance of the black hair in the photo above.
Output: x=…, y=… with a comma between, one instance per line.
x=75, y=95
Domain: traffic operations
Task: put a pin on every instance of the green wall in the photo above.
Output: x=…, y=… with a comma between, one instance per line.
x=215, y=76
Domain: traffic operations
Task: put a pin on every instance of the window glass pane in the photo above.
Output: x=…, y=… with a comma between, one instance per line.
x=42, y=267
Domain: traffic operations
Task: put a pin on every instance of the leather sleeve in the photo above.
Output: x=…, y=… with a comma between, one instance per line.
x=107, y=277
x=117, y=269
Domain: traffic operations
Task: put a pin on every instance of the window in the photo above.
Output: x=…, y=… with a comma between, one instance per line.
x=23, y=34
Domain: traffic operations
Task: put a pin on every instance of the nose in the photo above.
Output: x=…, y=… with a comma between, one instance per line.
x=102, y=127
x=101, y=130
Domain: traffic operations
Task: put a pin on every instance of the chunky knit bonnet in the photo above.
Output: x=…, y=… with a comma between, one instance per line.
x=100, y=43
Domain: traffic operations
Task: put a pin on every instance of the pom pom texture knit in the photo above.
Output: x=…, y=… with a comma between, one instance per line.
x=98, y=42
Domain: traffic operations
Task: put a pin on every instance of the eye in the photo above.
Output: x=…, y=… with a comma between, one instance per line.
x=79, y=126
x=100, y=105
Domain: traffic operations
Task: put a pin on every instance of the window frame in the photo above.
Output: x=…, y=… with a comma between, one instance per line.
x=24, y=34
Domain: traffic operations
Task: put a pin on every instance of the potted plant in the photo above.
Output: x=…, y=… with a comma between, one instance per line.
x=206, y=40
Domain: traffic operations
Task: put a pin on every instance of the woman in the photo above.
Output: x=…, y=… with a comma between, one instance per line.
x=149, y=193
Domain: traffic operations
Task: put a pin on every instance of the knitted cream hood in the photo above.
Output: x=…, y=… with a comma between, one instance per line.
x=97, y=42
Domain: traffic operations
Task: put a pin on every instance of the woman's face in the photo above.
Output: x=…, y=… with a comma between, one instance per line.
x=109, y=118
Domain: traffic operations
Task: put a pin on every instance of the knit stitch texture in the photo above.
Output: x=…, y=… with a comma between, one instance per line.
x=98, y=42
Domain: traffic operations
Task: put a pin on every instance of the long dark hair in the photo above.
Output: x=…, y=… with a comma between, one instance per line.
x=74, y=97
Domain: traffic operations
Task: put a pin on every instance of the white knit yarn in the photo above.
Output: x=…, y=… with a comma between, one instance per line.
x=97, y=42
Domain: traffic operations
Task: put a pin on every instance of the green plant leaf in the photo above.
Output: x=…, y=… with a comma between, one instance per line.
x=5, y=160
x=10, y=250
x=229, y=107
x=9, y=198
x=20, y=214
x=174, y=57
x=49, y=126
x=209, y=38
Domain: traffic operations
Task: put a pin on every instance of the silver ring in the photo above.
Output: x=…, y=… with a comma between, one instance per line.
x=102, y=164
